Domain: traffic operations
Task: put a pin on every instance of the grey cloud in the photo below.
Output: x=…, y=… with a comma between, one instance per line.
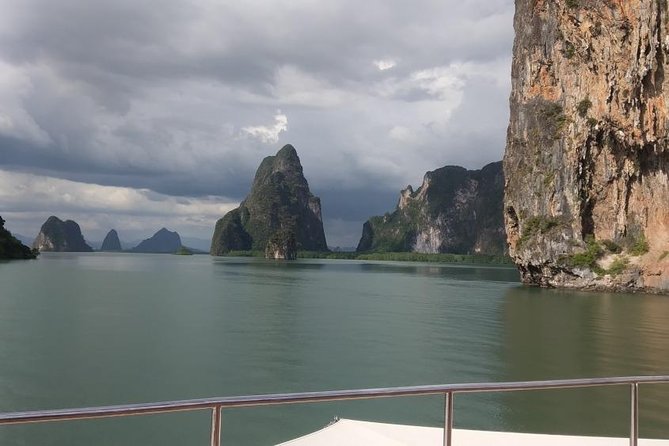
x=357, y=204
x=131, y=94
x=242, y=43
x=342, y=233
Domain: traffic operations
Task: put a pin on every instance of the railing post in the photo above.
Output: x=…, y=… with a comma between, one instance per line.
x=216, y=426
x=634, y=414
x=448, y=418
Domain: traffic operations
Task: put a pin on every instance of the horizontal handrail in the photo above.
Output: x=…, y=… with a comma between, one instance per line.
x=309, y=397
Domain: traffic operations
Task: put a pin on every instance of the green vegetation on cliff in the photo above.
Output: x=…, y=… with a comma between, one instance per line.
x=279, y=203
x=230, y=234
x=11, y=247
x=595, y=250
x=183, y=251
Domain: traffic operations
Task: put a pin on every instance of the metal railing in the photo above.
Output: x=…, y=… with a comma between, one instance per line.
x=216, y=405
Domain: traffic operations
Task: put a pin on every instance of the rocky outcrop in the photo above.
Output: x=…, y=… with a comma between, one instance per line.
x=282, y=246
x=279, y=203
x=162, y=242
x=111, y=242
x=11, y=248
x=455, y=210
x=60, y=236
x=587, y=160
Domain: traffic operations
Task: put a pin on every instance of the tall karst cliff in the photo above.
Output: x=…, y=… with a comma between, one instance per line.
x=279, y=206
x=587, y=162
x=455, y=210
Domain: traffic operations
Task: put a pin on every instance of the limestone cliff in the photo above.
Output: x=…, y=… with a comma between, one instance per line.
x=455, y=210
x=61, y=236
x=279, y=203
x=11, y=248
x=111, y=242
x=586, y=163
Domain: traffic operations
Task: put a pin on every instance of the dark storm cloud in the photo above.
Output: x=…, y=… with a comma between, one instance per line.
x=357, y=204
x=233, y=182
x=186, y=97
x=244, y=41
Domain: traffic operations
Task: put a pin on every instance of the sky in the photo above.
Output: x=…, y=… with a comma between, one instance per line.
x=137, y=115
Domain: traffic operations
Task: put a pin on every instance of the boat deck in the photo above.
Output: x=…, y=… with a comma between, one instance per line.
x=359, y=433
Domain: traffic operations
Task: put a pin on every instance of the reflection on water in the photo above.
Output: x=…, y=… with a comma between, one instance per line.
x=454, y=271
x=551, y=334
x=253, y=266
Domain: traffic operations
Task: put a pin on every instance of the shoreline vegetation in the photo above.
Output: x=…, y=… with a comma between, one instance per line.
x=482, y=259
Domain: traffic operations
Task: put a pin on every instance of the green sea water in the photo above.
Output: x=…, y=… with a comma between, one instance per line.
x=100, y=329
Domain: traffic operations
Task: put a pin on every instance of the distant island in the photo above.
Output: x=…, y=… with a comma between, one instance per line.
x=11, y=248
x=162, y=242
x=60, y=236
x=454, y=216
x=111, y=242
x=279, y=216
x=57, y=235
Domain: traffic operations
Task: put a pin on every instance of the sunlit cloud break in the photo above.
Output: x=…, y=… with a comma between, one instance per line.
x=385, y=64
x=34, y=192
x=269, y=134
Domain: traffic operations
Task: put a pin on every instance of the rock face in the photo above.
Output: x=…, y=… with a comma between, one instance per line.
x=11, y=248
x=162, y=242
x=111, y=242
x=455, y=210
x=280, y=204
x=587, y=160
x=282, y=246
x=61, y=236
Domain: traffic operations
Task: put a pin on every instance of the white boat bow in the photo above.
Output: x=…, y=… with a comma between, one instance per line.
x=367, y=433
